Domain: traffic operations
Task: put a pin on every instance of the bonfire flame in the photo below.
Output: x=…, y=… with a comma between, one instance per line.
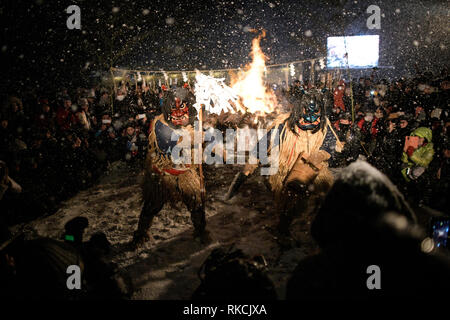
x=249, y=84
x=247, y=94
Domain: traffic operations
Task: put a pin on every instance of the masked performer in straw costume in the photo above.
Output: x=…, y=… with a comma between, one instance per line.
x=306, y=142
x=164, y=180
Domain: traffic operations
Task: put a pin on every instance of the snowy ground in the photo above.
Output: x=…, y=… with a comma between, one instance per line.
x=167, y=267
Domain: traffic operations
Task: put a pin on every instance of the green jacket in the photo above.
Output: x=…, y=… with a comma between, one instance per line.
x=423, y=155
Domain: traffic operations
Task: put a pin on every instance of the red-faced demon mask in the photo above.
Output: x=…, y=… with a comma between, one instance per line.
x=179, y=113
x=177, y=108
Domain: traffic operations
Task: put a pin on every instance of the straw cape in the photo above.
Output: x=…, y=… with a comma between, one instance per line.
x=300, y=158
x=169, y=181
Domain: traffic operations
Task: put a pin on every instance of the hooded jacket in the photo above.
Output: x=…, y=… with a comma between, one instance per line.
x=423, y=155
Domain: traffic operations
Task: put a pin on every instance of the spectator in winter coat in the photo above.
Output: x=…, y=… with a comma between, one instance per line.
x=63, y=115
x=417, y=154
x=45, y=119
x=83, y=117
x=339, y=96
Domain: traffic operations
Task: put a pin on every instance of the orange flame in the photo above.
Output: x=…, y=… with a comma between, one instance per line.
x=249, y=84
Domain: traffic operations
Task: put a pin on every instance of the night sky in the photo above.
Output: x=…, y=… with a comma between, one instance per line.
x=37, y=48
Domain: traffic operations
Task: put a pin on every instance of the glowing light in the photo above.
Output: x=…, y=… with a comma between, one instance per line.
x=250, y=86
x=322, y=63
x=292, y=70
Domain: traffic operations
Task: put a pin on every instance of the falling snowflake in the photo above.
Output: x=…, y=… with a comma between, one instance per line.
x=170, y=21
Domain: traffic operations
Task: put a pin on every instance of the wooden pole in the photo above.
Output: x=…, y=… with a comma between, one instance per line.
x=286, y=75
x=351, y=85
x=351, y=97
x=351, y=90
x=115, y=91
x=136, y=80
x=200, y=167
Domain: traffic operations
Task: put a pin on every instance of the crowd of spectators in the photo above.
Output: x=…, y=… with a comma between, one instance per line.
x=55, y=146
x=385, y=114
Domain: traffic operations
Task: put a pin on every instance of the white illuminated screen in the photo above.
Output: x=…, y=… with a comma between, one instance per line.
x=362, y=51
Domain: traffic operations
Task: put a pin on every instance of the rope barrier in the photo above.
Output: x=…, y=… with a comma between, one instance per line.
x=214, y=70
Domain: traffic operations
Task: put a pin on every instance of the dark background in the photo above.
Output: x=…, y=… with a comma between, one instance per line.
x=37, y=49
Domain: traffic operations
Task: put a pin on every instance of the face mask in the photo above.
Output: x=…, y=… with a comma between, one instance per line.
x=311, y=117
x=179, y=114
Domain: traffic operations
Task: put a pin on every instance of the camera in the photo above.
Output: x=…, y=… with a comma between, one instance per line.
x=439, y=227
